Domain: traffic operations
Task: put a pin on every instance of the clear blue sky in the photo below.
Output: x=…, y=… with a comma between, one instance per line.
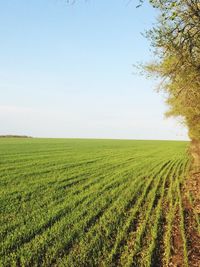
x=67, y=71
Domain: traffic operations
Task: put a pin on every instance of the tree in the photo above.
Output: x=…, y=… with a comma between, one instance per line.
x=176, y=39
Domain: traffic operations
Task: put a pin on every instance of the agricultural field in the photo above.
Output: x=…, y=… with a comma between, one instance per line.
x=79, y=202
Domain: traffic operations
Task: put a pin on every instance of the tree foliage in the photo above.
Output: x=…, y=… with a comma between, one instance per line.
x=176, y=39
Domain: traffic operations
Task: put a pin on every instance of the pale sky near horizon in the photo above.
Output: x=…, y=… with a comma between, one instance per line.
x=67, y=71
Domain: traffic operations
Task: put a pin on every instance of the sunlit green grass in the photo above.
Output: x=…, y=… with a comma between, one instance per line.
x=79, y=202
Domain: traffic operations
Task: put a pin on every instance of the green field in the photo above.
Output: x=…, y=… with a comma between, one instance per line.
x=79, y=202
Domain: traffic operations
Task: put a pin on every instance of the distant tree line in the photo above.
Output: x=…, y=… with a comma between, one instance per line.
x=14, y=136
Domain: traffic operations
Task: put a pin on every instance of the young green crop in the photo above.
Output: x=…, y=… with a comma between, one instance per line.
x=78, y=202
